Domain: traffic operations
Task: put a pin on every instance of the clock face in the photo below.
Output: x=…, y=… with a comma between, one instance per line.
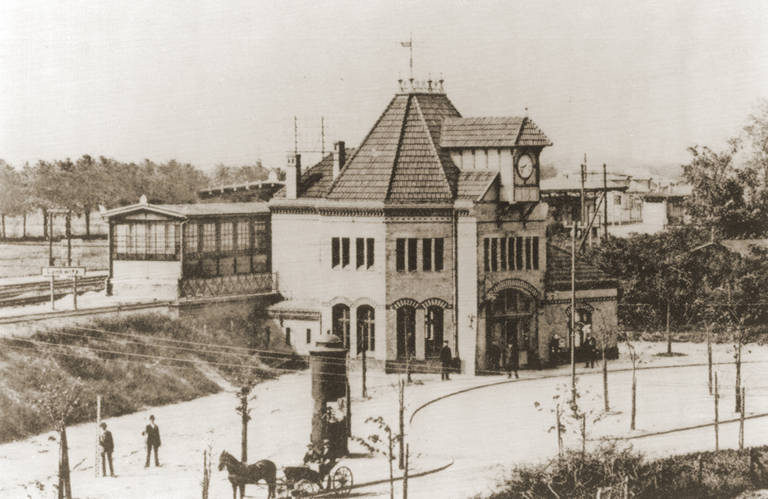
x=525, y=166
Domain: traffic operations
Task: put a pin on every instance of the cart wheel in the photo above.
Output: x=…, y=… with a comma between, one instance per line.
x=341, y=480
x=306, y=488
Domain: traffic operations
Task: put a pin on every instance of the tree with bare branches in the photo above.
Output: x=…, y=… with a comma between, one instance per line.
x=58, y=400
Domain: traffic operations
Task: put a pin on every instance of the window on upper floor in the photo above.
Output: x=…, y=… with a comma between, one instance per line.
x=510, y=253
x=413, y=251
x=364, y=253
x=617, y=200
x=339, y=252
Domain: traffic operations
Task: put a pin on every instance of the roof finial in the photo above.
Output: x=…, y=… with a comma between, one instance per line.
x=526, y=111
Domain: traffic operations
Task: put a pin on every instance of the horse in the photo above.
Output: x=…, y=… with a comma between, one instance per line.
x=241, y=474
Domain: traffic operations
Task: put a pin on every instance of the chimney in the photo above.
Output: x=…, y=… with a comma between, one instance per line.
x=293, y=176
x=339, y=157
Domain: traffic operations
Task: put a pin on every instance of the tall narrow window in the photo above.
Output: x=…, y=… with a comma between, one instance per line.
x=511, y=253
x=309, y=336
x=190, y=238
x=287, y=336
x=527, y=253
x=340, y=321
x=366, y=337
x=519, y=252
x=400, y=255
x=503, y=253
x=359, y=252
x=209, y=238
x=335, y=252
x=439, y=254
x=369, y=253
x=535, y=253
x=486, y=255
x=260, y=236
x=243, y=235
x=345, y=252
x=412, y=254
x=226, y=237
x=494, y=254
x=426, y=248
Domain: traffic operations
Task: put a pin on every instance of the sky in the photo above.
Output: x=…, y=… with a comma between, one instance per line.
x=631, y=84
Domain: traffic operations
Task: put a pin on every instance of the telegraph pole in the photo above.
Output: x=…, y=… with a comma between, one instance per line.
x=605, y=203
x=573, y=311
x=582, y=216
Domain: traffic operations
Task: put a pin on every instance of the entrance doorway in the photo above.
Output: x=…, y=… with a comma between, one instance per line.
x=406, y=332
x=511, y=321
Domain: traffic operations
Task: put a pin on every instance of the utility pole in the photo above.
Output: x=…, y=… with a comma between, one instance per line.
x=582, y=214
x=98, y=426
x=401, y=412
x=605, y=203
x=295, y=135
x=573, y=311
x=365, y=347
x=50, y=238
x=69, y=238
x=322, y=137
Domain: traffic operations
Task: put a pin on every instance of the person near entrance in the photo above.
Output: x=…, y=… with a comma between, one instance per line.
x=152, y=433
x=445, y=360
x=513, y=358
x=590, y=346
x=554, y=350
x=107, y=447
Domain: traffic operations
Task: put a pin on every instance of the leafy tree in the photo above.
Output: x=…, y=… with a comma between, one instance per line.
x=730, y=187
x=12, y=194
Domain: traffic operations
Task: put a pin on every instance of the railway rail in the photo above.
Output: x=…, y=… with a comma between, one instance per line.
x=26, y=293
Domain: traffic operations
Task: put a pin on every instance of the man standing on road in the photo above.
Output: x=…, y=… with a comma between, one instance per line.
x=554, y=350
x=107, y=447
x=591, y=346
x=152, y=433
x=513, y=358
x=445, y=359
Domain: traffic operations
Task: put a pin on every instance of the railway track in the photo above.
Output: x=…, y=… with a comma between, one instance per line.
x=13, y=295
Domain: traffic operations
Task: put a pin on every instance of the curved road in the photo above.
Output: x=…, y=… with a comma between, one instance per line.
x=485, y=430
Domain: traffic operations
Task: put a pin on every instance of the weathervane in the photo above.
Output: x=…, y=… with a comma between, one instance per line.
x=409, y=45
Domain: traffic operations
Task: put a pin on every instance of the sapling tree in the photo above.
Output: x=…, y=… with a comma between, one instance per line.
x=245, y=380
x=59, y=399
x=382, y=441
x=635, y=359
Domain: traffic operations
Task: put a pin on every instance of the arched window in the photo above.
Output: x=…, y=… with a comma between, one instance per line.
x=340, y=318
x=434, y=337
x=366, y=329
x=406, y=331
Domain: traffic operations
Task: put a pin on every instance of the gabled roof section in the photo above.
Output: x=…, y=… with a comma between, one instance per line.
x=558, y=276
x=510, y=131
x=400, y=160
x=474, y=184
x=190, y=210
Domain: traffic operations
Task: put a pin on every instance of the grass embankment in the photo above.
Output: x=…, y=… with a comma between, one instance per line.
x=133, y=362
x=614, y=470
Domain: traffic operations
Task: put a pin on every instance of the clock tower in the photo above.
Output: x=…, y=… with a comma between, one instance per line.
x=526, y=175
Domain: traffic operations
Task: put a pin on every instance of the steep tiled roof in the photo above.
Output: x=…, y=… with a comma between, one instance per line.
x=317, y=179
x=491, y=132
x=400, y=159
x=473, y=184
x=558, y=276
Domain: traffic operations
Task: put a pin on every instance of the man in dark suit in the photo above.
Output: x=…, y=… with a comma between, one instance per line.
x=107, y=447
x=445, y=359
x=590, y=345
x=152, y=433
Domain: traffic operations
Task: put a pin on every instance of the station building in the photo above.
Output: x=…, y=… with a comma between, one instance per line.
x=431, y=230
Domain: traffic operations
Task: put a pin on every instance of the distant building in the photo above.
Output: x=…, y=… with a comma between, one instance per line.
x=634, y=204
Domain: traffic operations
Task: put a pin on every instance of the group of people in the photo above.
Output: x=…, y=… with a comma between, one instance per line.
x=589, y=348
x=107, y=444
x=507, y=359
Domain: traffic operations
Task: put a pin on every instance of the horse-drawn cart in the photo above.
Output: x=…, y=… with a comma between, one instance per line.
x=303, y=481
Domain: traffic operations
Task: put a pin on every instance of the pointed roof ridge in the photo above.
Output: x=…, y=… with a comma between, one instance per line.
x=399, y=146
x=360, y=147
x=451, y=188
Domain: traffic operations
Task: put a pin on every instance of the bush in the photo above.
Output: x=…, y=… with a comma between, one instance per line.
x=725, y=473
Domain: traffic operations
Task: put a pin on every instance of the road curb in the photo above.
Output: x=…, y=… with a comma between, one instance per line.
x=386, y=480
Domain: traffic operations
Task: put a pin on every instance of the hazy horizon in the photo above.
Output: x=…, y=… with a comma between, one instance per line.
x=629, y=85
